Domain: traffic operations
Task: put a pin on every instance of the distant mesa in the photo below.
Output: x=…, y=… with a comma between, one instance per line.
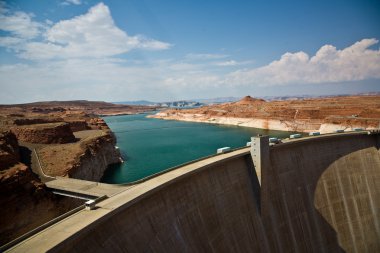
x=250, y=100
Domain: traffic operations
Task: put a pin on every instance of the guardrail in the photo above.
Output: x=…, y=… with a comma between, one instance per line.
x=39, y=165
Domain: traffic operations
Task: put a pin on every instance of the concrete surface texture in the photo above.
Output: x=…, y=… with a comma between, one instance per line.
x=71, y=186
x=321, y=194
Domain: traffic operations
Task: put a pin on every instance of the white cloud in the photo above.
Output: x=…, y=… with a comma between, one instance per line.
x=115, y=79
x=193, y=56
x=68, y=2
x=227, y=63
x=71, y=79
x=232, y=63
x=93, y=34
x=329, y=65
x=103, y=79
x=19, y=24
x=11, y=42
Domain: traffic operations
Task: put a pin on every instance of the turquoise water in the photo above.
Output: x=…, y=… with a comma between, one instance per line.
x=149, y=145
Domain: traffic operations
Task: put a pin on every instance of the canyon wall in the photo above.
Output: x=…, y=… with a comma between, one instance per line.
x=27, y=204
x=85, y=155
x=98, y=155
x=25, y=201
x=9, y=150
x=75, y=143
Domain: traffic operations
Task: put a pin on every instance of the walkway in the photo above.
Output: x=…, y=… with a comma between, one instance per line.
x=84, y=189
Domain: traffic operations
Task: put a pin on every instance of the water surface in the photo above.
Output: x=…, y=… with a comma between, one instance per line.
x=149, y=146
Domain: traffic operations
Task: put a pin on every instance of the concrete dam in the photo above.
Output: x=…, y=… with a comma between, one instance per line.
x=314, y=194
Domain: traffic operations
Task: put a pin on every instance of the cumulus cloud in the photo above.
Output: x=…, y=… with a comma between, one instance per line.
x=328, y=65
x=93, y=34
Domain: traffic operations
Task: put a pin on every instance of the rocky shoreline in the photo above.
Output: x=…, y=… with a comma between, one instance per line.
x=280, y=125
x=318, y=115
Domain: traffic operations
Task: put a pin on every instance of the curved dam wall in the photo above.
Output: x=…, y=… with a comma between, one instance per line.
x=318, y=194
x=323, y=194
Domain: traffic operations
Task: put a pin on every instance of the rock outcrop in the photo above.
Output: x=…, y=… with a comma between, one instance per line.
x=98, y=155
x=45, y=133
x=31, y=121
x=26, y=203
x=250, y=100
x=98, y=123
x=9, y=150
x=85, y=159
x=78, y=125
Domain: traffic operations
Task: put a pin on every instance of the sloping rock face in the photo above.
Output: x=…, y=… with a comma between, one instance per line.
x=45, y=133
x=24, y=200
x=9, y=150
x=86, y=159
x=26, y=204
x=98, y=155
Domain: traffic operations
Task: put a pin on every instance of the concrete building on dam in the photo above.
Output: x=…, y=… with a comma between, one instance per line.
x=314, y=194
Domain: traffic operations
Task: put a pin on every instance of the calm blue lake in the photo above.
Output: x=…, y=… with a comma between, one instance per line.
x=149, y=145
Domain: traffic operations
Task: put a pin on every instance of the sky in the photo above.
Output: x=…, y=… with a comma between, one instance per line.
x=127, y=50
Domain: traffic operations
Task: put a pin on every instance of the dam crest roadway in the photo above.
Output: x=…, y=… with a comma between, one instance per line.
x=314, y=194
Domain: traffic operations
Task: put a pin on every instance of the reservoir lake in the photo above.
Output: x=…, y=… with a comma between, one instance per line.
x=149, y=146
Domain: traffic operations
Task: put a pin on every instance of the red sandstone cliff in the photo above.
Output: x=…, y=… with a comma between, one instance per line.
x=25, y=201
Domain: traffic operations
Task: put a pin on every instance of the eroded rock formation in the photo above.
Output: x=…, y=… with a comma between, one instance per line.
x=86, y=159
x=24, y=199
x=9, y=150
x=45, y=133
x=95, y=160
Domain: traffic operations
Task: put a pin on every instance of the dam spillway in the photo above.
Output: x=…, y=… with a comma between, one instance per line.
x=315, y=194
